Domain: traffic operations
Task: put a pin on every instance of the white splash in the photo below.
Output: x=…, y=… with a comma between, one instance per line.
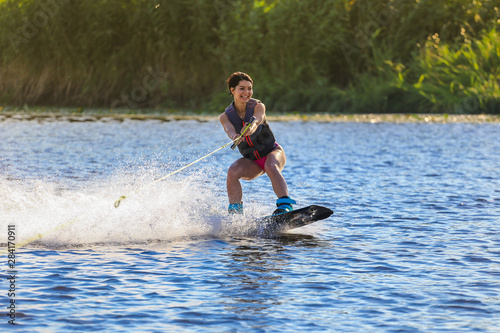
x=188, y=205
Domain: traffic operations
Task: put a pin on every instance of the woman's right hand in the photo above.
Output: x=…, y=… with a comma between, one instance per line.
x=236, y=137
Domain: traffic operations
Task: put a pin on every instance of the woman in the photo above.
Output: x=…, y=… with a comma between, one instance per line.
x=261, y=153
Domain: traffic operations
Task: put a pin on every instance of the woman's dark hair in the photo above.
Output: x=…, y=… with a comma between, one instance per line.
x=235, y=78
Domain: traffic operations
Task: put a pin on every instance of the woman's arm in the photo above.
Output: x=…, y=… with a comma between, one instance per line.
x=228, y=127
x=260, y=117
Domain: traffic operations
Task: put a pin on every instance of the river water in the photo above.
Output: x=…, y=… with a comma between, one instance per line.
x=413, y=245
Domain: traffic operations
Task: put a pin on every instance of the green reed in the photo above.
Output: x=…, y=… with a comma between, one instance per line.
x=308, y=56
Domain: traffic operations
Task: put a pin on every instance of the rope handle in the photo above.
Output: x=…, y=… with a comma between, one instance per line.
x=246, y=128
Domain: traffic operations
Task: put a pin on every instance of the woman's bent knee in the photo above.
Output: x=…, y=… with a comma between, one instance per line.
x=244, y=169
x=233, y=173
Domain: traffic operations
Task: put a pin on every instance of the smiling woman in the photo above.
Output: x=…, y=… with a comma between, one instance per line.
x=261, y=154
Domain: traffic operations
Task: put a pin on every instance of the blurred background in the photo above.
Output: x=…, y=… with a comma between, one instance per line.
x=336, y=56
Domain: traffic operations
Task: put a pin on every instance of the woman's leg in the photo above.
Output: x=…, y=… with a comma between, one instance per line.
x=275, y=163
x=242, y=168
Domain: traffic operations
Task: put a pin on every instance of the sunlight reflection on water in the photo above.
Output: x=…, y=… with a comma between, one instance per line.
x=413, y=245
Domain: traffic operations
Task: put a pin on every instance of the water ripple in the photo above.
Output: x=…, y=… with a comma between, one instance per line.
x=412, y=246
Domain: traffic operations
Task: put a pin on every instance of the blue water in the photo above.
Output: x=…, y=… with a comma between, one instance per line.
x=413, y=246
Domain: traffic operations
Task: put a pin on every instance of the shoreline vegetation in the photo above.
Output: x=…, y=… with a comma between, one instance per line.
x=80, y=115
x=332, y=56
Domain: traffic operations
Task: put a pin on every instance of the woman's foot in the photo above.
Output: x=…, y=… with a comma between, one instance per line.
x=235, y=208
x=284, y=205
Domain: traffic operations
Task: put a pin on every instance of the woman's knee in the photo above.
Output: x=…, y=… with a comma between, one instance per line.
x=244, y=169
x=273, y=169
x=234, y=172
x=274, y=164
x=276, y=159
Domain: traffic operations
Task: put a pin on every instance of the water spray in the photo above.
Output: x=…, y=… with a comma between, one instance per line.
x=38, y=236
x=234, y=143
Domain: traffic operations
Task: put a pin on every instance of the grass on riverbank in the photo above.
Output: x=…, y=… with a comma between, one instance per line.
x=336, y=56
x=95, y=114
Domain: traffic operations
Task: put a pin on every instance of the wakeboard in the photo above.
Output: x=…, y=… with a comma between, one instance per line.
x=274, y=224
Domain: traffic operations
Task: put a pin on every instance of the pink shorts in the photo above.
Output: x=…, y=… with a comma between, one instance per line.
x=262, y=161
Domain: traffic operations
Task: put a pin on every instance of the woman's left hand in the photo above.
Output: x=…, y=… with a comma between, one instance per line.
x=250, y=130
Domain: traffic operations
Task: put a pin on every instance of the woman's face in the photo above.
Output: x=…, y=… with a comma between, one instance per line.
x=242, y=92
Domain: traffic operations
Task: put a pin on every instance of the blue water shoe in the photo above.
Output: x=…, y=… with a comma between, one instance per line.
x=235, y=208
x=284, y=205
